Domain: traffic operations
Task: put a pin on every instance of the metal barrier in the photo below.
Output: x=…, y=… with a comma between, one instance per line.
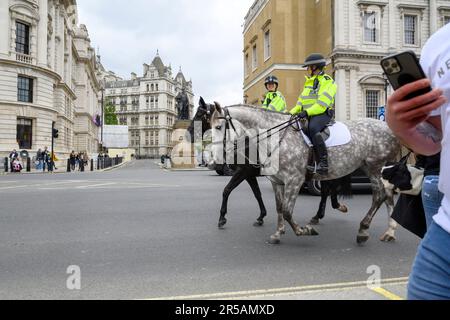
x=107, y=162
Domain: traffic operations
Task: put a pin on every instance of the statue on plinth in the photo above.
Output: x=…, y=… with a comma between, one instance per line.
x=182, y=105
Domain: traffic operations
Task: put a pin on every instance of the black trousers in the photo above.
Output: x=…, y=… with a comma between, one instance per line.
x=317, y=124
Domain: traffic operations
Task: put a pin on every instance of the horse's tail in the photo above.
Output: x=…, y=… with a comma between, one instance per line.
x=344, y=186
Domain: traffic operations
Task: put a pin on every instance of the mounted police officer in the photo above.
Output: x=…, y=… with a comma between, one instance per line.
x=274, y=100
x=316, y=103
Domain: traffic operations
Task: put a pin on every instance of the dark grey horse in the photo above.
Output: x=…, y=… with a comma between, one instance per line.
x=372, y=146
x=249, y=173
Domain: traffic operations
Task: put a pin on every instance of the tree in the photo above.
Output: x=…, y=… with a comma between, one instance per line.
x=110, y=115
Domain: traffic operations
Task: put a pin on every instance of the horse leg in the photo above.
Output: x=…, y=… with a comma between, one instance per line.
x=324, y=192
x=389, y=235
x=236, y=180
x=253, y=182
x=379, y=196
x=281, y=228
x=290, y=197
x=334, y=199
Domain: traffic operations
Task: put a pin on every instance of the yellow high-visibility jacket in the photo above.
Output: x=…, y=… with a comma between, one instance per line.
x=318, y=95
x=274, y=101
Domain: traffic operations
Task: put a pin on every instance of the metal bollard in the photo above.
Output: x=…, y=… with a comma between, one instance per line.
x=81, y=165
x=92, y=164
x=6, y=164
x=28, y=165
x=68, y=165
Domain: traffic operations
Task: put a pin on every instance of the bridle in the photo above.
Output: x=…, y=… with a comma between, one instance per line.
x=267, y=134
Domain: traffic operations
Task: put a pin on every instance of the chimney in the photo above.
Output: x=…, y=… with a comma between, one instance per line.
x=146, y=67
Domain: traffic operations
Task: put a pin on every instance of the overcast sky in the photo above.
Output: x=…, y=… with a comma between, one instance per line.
x=204, y=37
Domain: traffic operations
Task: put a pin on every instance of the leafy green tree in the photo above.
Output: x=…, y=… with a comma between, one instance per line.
x=110, y=115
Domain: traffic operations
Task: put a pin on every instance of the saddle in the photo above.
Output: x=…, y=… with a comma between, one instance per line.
x=334, y=134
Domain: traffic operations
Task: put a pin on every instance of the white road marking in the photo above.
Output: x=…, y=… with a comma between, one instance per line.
x=284, y=291
x=96, y=185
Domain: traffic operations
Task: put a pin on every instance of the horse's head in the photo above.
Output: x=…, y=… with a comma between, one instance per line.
x=203, y=115
x=225, y=131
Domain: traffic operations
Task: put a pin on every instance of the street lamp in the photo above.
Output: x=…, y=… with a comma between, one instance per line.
x=386, y=86
x=103, y=117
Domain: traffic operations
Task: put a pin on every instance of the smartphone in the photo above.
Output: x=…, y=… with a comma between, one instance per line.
x=403, y=68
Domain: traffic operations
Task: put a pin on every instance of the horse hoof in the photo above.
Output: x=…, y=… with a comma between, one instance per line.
x=258, y=223
x=361, y=239
x=274, y=240
x=343, y=209
x=387, y=238
x=222, y=224
x=312, y=231
x=314, y=221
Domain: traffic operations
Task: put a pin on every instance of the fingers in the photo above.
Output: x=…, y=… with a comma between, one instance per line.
x=423, y=99
x=424, y=110
x=404, y=91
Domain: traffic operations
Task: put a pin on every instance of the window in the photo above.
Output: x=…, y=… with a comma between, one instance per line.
x=24, y=133
x=446, y=19
x=25, y=89
x=255, y=58
x=410, y=29
x=22, y=38
x=246, y=65
x=370, y=27
x=267, y=48
x=372, y=103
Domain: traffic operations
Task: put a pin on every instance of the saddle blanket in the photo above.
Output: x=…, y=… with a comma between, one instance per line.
x=339, y=136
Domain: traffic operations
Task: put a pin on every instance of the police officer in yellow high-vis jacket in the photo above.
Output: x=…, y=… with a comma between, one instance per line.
x=274, y=100
x=316, y=103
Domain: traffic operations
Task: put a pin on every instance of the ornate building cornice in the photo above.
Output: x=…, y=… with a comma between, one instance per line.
x=358, y=55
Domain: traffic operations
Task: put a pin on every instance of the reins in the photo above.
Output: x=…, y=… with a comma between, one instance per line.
x=267, y=134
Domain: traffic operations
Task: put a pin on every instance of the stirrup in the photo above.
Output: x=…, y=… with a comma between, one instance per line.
x=317, y=169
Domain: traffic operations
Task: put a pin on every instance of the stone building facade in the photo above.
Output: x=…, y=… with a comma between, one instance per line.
x=353, y=34
x=47, y=74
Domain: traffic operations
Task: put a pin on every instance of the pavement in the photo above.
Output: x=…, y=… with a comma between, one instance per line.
x=140, y=232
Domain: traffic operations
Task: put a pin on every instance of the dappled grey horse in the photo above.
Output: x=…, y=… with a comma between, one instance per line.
x=249, y=173
x=371, y=147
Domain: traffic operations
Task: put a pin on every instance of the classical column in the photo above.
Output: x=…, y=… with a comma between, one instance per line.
x=392, y=26
x=353, y=26
x=354, y=88
x=42, y=34
x=341, y=96
x=339, y=25
x=433, y=17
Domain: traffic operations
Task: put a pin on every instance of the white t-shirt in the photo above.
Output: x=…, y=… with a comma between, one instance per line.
x=435, y=61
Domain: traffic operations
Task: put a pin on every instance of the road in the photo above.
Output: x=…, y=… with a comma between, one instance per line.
x=140, y=232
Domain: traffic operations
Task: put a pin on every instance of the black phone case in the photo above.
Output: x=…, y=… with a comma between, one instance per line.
x=411, y=71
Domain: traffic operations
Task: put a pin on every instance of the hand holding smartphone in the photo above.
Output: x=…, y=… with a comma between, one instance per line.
x=404, y=68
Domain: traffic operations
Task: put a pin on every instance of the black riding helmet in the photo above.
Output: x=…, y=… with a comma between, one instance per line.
x=315, y=59
x=271, y=79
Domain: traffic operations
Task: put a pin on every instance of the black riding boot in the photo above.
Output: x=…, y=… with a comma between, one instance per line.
x=320, y=150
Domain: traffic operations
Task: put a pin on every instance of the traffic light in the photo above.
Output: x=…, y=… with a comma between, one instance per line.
x=55, y=133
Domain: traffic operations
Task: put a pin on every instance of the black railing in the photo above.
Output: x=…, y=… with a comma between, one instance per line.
x=107, y=162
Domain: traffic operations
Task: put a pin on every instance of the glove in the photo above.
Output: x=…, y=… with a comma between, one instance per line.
x=303, y=115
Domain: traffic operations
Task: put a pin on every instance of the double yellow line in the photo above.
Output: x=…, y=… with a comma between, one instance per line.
x=252, y=294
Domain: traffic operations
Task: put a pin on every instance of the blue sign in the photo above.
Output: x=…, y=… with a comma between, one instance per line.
x=381, y=113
